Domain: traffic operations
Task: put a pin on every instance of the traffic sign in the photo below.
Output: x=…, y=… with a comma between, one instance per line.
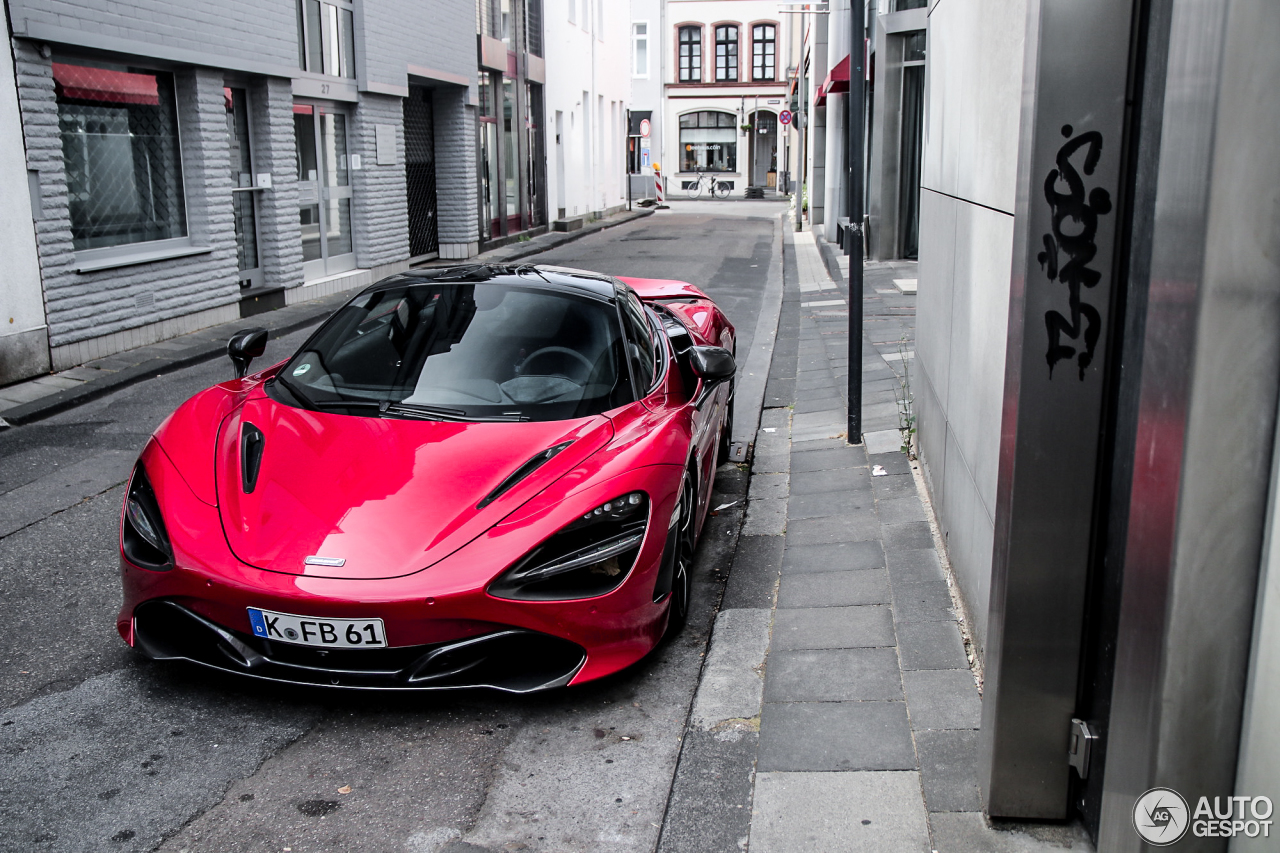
x=785, y=116
x=644, y=128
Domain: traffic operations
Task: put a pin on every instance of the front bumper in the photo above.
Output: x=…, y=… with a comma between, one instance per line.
x=439, y=607
x=512, y=660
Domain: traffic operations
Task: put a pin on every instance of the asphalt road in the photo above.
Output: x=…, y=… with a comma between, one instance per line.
x=100, y=750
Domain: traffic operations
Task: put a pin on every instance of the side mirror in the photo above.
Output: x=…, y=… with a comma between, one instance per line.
x=244, y=346
x=712, y=364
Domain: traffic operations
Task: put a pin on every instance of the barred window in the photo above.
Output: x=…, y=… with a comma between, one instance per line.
x=763, y=49
x=119, y=130
x=727, y=53
x=690, y=54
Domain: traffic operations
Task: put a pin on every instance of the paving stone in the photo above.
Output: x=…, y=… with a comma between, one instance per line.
x=828, y=459
x=835, y=736
x=894, y=463
x=828, y=504
x=901, y=510
x=949, y=769
x=907, y=537
x=966, y=832
x=857, y=812
x=834, y=589
x=928, y=601
x=731, y=686
x=931, y=645
x=855, y=526
x=767, y=517
x=833, y=628
x=754, y=576
x=942, y=699
x=818, y=425
x=830, y=480
x=834, y=557
x=894, y=486
x=710, y=803
x=764, y=463
x=881, y=442
x=768, y=486
x=833, y=675
x=916, y=566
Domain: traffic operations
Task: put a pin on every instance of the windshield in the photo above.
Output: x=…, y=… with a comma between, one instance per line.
x=443, y=350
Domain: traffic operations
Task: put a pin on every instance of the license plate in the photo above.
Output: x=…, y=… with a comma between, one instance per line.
x=310, y=631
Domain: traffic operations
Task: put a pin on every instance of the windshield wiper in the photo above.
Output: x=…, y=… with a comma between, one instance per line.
x=440, y=413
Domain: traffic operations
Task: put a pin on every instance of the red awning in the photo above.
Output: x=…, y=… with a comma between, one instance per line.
x=81, y=83
x=837, y=81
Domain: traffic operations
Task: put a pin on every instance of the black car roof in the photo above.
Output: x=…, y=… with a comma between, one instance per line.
x=529, y=275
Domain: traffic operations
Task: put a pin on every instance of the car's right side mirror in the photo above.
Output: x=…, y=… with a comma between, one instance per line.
x=712, y=364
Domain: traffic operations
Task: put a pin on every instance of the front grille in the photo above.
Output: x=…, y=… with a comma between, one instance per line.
x=513, y=660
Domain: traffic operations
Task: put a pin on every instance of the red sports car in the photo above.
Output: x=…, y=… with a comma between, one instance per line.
x=479, y=476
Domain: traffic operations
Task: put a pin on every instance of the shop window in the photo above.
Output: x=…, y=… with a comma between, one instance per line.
x=763, y=51
x=726, y=53
x=119, y=130
x=690, y=41
x=326, y=37
x=708, y=142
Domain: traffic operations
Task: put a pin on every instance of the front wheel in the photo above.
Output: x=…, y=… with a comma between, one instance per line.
x=719, y=189
x=682, y=572
x=695, y=190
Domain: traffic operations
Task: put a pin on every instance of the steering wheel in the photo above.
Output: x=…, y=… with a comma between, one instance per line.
x=586, y=362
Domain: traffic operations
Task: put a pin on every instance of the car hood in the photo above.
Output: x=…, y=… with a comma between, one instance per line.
x=388, y=497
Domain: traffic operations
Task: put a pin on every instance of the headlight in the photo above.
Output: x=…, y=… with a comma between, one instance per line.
x=588, y=557
x=146, y=542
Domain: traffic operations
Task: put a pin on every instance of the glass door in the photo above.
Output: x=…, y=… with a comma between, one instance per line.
x=324, y=190
x=243, y=192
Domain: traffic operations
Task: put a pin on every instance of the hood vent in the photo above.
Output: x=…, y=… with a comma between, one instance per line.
x=251, y=445
x=520, y=473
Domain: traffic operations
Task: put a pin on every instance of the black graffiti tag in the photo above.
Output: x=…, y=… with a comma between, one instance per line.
x=1077, y=244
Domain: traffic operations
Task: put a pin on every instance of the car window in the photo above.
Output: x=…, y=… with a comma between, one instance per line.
x=640, y=344
x=469, y=350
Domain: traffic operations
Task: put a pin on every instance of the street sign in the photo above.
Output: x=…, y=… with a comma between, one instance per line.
x=644, y=128
x=785, y=116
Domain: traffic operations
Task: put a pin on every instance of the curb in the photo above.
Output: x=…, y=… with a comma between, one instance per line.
x=289, y=319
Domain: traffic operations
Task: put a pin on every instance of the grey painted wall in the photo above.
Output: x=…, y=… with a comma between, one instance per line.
x=966, y=241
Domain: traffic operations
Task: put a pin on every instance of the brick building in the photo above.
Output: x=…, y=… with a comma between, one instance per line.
x=191, y=163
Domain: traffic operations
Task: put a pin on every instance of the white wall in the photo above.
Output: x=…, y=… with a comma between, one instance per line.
x=589, y=82
x=972, y=107
x=24, y=340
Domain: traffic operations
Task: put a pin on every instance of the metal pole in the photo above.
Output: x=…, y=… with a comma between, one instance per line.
x=854, y=181
x=626, y=157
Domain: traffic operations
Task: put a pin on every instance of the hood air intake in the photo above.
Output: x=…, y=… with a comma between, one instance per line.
x=520, y=473
x=251, y=443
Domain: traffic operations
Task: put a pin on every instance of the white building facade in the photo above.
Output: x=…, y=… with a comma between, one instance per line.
x=725, y=86
x=588, y=91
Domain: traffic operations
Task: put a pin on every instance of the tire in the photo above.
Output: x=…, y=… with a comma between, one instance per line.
x=719, y=189
x=696, y=190
x=726, y=432
x=682, y=574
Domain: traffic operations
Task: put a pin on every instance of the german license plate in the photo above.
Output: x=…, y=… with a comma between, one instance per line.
x=311, y=631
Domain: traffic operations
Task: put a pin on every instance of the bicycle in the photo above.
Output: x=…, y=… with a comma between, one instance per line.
x=717, y=189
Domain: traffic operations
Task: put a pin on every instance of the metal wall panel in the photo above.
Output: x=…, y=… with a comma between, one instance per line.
x=1077, y=65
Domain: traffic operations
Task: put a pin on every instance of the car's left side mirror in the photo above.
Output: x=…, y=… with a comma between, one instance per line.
x=712, y=364
x=244, y=346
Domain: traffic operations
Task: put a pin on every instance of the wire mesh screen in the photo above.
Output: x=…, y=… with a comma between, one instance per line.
x=120, y=145
x=420, y=171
